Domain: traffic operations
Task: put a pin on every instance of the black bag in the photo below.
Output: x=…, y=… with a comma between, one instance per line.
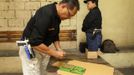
x=82, y=47
x=108, y=46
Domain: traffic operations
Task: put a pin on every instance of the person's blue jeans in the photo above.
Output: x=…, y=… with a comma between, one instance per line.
x=93, y=43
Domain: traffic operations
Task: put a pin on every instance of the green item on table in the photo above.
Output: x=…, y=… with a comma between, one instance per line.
x=72, y=69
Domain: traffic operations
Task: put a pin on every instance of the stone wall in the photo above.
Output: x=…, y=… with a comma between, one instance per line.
x=14, y=14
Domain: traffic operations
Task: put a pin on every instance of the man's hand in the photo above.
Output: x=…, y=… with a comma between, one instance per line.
x=44, y=49
x=59, y=54
x=59, y=49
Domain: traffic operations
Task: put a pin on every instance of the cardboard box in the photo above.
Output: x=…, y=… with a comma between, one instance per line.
x=91, y=69
x=91, y=54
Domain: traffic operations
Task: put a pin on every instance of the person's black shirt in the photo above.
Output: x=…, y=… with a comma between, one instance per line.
x=43, y=27
x=92, y=20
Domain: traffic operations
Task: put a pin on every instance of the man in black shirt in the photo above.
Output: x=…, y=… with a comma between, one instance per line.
x=92, y=25
x=42, y=30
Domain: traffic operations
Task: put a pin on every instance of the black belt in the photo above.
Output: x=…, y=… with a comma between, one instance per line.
x=93, y=30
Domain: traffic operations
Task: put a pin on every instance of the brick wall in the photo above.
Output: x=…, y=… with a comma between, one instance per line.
x=14, y=14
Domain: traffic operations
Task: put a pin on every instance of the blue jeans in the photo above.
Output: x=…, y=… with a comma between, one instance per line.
x=93, y=43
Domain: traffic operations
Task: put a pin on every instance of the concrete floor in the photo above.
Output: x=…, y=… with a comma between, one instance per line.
x=12, y=66
x=121, y=60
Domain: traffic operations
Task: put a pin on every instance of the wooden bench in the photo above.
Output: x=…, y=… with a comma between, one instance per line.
x=12, y=36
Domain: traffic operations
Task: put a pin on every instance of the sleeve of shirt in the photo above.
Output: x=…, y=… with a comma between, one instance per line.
x=57, y=38
x=40, y=28
x=88, y=20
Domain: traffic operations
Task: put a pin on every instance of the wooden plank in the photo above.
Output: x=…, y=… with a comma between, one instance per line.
x=12, y=36
x=67, y=31
x=67, y=39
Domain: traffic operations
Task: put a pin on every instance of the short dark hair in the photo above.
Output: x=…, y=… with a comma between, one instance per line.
x=72, y=3
x=94, y=1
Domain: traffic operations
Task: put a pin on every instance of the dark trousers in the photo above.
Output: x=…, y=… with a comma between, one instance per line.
x=93, y=41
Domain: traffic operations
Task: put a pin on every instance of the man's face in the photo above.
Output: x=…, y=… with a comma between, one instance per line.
x=67, y=13
x=90, y=5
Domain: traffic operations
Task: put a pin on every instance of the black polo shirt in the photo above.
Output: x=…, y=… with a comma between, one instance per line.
x=92, y=20
x=43, y=27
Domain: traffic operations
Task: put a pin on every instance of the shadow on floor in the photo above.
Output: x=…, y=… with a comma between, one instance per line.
x=127, y=71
